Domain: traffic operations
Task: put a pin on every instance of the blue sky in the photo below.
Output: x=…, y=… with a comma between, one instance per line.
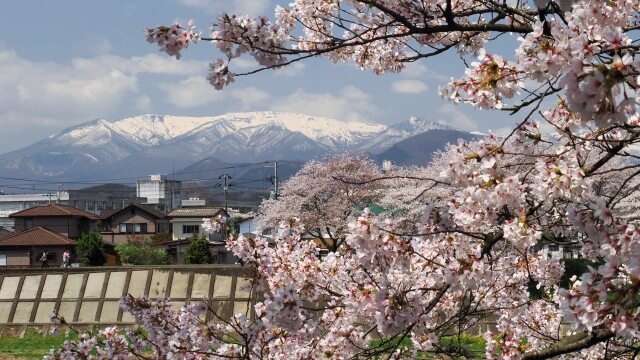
x=65, y=62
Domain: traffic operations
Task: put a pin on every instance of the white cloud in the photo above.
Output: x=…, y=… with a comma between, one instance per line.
x=351, y=104
x=60, y=91
x=40, y=97
x=409, y=86
x=195, y=91
x=251, y=7
x=147, y=64
x=420, y=70
x=191, y=92
x=100, y=46
x=243, y=63
x=353, y=93
x=249, y=98
x=292, y=70
x=415, y=69
x=451, y=115
x=143, y=103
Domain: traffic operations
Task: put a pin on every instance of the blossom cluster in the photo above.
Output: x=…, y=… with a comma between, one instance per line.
x=467, y=237
x=172, y=39
x=213, y=225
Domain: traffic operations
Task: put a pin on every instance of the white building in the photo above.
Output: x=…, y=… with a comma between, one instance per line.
x=10, y=204
x=187, y=222
x=160, y=192
x=193, y=202
x=249, y=226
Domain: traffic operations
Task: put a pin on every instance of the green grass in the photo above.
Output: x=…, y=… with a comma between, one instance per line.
x=469, y=344
x=32, y=345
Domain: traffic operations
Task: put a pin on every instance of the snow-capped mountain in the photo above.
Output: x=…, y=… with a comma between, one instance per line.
x=156, y=143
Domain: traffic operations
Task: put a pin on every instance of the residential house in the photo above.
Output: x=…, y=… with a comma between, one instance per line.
x=10, y=204
x=187, y=222
x=93, y=199
x=118, y=225
x=23, y=249
x=4, y=232
x=248, y=226
x=63, y=219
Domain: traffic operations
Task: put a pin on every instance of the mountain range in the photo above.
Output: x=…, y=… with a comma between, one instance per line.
x=140, y=145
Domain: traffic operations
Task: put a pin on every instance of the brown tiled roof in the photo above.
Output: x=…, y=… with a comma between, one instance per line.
x=107, y=213
x=151, y=210
x=197, y=212
x=4, y=232
x=53, y=210
x=36, y=237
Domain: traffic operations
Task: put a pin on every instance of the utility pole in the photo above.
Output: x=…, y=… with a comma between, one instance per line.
x=275, y=179
x=173, y=182
x=226, y=187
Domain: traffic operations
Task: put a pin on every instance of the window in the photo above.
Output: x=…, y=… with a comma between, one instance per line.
x=162, y=227
x=3, y=260
x=133, y=228
x=190, y=229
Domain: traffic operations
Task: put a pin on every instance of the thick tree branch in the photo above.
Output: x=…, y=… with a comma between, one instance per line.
x=571, y=344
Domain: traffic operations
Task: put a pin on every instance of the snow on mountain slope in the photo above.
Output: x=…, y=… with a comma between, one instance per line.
x=139, y=141
x=153, y=130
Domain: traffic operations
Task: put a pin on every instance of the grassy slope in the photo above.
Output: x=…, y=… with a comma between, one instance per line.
x=31, y=346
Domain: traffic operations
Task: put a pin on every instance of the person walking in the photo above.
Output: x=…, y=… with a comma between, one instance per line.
x=45, y=259
x=66, y=259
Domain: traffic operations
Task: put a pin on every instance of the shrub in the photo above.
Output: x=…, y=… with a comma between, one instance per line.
x=140, y=252
x=198, y=251
x=90, y=249
x=160, y=237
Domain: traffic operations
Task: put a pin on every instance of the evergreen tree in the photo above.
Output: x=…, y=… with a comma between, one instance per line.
x=198, y=251
x=90, y=249
x=140, y=252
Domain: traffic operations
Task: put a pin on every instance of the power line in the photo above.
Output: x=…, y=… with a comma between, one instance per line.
x=102, y=181
x=120, y=191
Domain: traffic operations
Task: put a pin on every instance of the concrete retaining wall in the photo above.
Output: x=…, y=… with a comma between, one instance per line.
x=89, y=296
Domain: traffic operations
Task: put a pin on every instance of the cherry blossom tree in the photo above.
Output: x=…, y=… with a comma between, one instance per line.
x=323, y=195
x=472, y=256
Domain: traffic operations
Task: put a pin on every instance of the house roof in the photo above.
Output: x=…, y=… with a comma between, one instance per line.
x=36, y=237
x=107, y=213
x=197, y=212
x=53, y=210
x=4, y=232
